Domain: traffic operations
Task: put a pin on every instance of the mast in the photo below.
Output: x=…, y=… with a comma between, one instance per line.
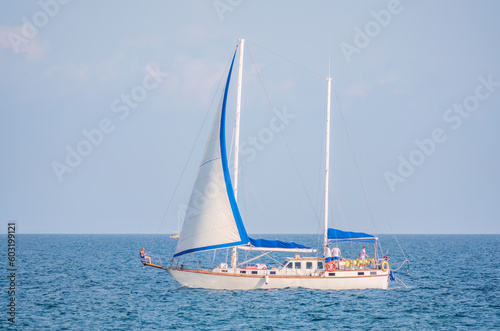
x=237, y=124
x=234, y=256
x=327, y=157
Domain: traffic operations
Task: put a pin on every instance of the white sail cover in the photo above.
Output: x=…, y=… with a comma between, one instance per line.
x=212, y=216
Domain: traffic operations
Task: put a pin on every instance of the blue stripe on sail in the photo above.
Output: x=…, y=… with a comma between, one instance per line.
x=225, y=167
x=205, y=248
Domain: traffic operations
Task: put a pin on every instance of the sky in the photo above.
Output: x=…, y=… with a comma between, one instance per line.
x=106, y=106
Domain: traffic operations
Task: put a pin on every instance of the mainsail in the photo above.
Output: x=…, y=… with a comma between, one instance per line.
x=212, y=216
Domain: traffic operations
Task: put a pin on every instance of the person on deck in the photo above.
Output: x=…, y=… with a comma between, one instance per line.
x=145, y=256
x=363, y=254
x=328, y=254
x=336, y=253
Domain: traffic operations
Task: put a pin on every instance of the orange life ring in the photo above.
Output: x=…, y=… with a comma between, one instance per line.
x=385, y=266
x=330, y=266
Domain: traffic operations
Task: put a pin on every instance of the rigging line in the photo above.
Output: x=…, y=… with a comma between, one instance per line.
x=247, y=196
x=401, y=248
x=336, y=198
x=249, y=187
x=269, y=256
x=284, y=139
x=192, y=148
x=402, y=263
x=275, y=260
x=321, y=172
x=244, y=185
x=401, y=282
x=355, y=161
x=286, y=59
x=320, y=191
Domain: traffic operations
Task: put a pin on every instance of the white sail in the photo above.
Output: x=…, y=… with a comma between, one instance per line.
x=212, y=216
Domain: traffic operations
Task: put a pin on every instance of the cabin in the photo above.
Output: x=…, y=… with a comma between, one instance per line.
x=306, y=267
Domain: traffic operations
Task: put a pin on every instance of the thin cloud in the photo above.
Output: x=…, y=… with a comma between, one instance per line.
x=194, y=34
x=193, y=79
x=389, y=79
x=12, y=37
x=154, y=41
x=103, y=71
x=73, y=70
x=358, y=90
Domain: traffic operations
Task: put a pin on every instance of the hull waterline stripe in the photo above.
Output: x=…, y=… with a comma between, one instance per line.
x=207, y=272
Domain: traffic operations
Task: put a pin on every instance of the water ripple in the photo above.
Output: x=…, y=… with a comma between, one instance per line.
x=96, y=282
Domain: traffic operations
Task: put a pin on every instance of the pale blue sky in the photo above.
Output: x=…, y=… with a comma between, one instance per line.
x=397, y=82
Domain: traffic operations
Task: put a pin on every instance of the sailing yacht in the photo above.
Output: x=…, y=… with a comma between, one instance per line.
x=213, y=221
x=178, y=234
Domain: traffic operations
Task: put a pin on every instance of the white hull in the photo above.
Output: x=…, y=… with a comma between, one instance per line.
x=343, y=280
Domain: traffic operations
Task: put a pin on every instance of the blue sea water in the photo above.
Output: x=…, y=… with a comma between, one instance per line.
x=96, y=282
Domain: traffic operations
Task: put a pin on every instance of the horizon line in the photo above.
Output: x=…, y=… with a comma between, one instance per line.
x=169, y=233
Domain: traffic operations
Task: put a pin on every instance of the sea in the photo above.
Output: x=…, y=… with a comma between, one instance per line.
x=97, y=282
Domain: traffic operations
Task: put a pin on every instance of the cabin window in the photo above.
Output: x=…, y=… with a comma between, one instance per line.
x=273, y=272
x=361, y=273
x=243, y=271
x=298, y=265
x=320, y=265
x=373, y=272
x=331, y=274
x=290, y=265
x=254, y=272
x=309, y=265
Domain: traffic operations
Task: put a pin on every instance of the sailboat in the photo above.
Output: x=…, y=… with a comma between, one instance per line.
x=178, y=234
x=213, y=221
